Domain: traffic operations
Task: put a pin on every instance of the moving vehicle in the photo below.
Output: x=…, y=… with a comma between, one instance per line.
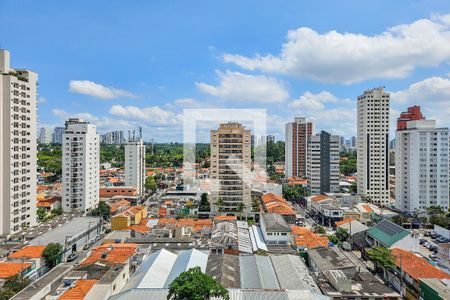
x=72, y=257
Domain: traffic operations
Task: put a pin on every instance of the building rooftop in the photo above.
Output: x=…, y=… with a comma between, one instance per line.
x=28, y=252
x=114, y=253
x=257, y=273
x=331, y=259
x=293, y=274
x=275, y=223
x=304, y=238
x=79, y=291
x=71, y=228
x=387, y=233
x=224, y=268
x=417, y=267
x=441, y=286
x=8, y=269
x=353, y=227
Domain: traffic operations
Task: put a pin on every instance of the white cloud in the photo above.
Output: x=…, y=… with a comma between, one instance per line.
x=310, y=101
x=93, y=89
x=350, y=57
x=42, y=100
x=235, y=86
x=432, y=94
x=153, y=114
x=187, y=102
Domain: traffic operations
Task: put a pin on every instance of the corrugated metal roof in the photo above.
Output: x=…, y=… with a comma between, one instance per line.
x=259, y=238
x=153, y=271
x=292, y=273
x=257, y=272
x=187, y=259
x=244, y=242
x=225, y=269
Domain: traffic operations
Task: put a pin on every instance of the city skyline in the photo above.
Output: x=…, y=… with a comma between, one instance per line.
x=143, y=79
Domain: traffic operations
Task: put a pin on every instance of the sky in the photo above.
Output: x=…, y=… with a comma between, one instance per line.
x=123, y=64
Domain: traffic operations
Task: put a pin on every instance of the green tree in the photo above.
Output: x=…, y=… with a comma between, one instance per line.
x=319, y=229
x=204, y=203
x=292, y=193
x=195, y=285
x=150, y=184
x=240, y=207
x=102, y=210
x=220, y=203
x=52, y=254
x=13, y=285
x=41, y=214
x=381, y=257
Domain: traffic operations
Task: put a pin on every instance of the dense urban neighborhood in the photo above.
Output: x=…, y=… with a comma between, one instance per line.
x=308, y=214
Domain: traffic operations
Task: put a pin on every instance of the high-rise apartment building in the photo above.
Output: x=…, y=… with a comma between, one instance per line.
x=135, y=165
x=296, y=143
x=57, y=135
x=323, y=163
x=373, y=146
x=113, y=138
x=353, y=142
x=421, y=163
x=45, y=135
x=231, y=168
x=18, y=119
x=80, y=166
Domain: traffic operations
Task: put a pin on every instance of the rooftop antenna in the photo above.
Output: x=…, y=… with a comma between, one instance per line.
x=129, y=135
x=134, y=135
x=140, y=132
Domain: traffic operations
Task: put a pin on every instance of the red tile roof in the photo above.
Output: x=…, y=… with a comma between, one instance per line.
x=8, y=269
x=28, y=252
x=79, y=291
x=345, y=221
x=115, y=253
x=113, y=207
x=415, y=266
x=303, y=237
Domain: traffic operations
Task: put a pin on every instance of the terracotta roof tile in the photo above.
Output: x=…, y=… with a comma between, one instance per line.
x=345, y=221
x=416, y=266
x=116, y=253
x=319, y=198
x=8, y=269
x=79, y=291
x=118, y=204
x=303, y=237
x=225, y=218
x=28, y=252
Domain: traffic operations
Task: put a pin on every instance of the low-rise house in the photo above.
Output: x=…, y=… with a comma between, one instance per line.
x=130, y=216
x=338, y=277
x=273, y=203
x=324, y=209
x=391, y=235
x=49, y=203
x=108, y=192
x=410, y=269
x=304, y=239
x=275, y=229
x=8, y=269
x=434, y=289
x=32, y=254
x=118, y=206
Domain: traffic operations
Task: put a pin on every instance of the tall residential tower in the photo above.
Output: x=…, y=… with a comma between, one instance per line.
x=80, y=166
x=297, y=134
x=421, y=163
x=323, y=163
x=135, y=164
x=373, y=145
x=18, y=118
x=231, y=167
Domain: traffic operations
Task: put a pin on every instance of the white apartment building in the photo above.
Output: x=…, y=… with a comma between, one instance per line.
x=135, y=165
x=80, y=166
x=296, y=155
x=231, y=168
x=422, y=166
x=18, y=119
x=323, y=163
x=45, y=135
x=372, y=146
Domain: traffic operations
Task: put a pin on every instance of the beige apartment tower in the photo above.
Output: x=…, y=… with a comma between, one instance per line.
x=373, y=146
x=231, y=169
x=18, y=113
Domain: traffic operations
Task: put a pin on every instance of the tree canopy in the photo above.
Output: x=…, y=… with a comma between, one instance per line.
x=52, y=254
x=381, y=257
x=150, y=184
x=195, y=285
x=12, y=286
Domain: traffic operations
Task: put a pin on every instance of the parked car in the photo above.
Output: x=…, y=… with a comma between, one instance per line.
x=72, y=257
x=422, y=241
x=441, y=239
x=433, y=257
x=433, y=235
x=426, y=244
x=432, y=247
x=427, y=233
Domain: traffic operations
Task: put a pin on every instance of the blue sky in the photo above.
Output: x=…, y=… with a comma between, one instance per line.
x=121, y=64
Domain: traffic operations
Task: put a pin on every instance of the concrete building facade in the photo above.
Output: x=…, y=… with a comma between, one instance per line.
x=422, y=165
x=135, y=165
x=296, y=142
x=81, y=165
x=323, y=163
x=18, y=147
x=57, y=135
x=373, y=145
x=45, y=135
x=231, y=164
